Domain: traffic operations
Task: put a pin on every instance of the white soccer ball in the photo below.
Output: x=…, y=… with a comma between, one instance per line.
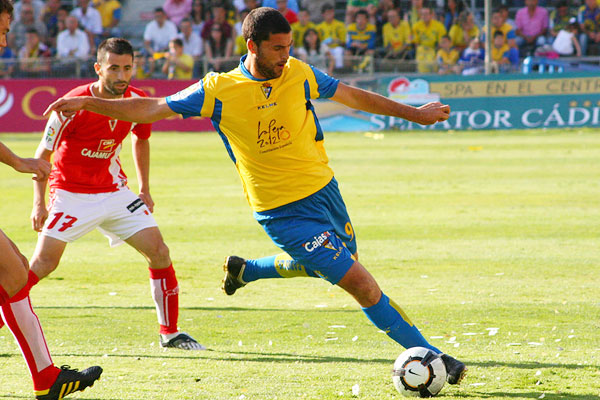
x=419, y=372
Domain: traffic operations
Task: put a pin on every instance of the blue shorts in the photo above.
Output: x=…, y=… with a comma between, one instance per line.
x=315, y=231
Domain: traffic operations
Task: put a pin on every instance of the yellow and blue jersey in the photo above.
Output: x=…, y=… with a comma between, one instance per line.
x=367, y=35
x=269, y=128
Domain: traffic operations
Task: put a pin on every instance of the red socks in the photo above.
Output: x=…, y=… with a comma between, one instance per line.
x=165, y=292
x=25, y=326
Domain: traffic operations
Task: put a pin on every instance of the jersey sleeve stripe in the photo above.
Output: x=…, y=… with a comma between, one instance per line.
x=311, y=108
x=61, y=130
x=188, y=102
x=216, y=121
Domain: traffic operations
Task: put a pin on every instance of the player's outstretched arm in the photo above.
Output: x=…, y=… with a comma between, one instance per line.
x=143, y=110
x=374, y=103
x=39, y=168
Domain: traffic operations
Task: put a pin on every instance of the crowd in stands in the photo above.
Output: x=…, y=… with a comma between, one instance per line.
x=186, y=37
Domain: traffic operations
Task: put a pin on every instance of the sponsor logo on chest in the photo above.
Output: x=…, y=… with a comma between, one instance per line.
x=105, y=149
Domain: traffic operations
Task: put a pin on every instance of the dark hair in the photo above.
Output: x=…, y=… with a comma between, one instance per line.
x=318, y=44
x=562, y=3
x=159, y=9
x=177, y=42
x=498, y=33
x=32, y=30
x=362, y=11
x=118, y=46
x=262, y=22
x=6, y=7
x=326, y=7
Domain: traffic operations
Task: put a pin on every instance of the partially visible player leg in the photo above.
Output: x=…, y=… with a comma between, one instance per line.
x=390, y=318
x=239, y=271
x=25, y=326
x=164, y=287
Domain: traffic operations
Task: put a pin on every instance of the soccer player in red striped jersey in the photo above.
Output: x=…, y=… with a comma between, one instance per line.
x=49, y=382
x=88, y=189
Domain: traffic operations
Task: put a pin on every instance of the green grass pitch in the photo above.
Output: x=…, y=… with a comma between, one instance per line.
x=466, y=231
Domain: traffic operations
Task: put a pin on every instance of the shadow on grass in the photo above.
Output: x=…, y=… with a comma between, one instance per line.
x=527, y=395
x=528, y=365
x=287, y=310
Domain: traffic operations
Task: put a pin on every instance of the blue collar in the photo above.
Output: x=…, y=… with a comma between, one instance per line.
x=247, y=73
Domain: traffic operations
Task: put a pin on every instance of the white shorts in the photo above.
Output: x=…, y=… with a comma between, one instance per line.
x=117, y=215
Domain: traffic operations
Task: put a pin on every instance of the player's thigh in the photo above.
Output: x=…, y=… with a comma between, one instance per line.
x=127, y=215
x=313, y=243
x=72, y=215
x=334, y=209
x=13, y=266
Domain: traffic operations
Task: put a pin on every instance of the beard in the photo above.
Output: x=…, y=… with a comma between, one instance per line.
x=265, y=69
x=111, y=88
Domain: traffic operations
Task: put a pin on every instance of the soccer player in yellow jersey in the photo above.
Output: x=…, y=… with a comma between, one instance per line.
x=263, y=112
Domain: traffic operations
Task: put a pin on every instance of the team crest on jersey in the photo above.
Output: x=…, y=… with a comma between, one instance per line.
x=107, y=145
x=266, y=89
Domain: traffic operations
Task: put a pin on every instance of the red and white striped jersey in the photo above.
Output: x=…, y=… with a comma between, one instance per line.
x=86, y=147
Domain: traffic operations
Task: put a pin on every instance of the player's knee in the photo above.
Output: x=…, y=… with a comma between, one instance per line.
x=43, y=265
x=160, y=256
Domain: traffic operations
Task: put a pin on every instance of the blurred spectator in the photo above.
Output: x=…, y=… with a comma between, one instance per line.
x=16, y=37
x=566, y=42
x=447, y=57
x=72, y=42
x=472, y=58
x=300, y=27
x=191, y=41
x=463, y=31
x=34, y=57
x=427, y=33
x=90, y=21
x=396, y=36
x=239, y=44
x=178, y=65
x=217, y=47
x=332, y=33
x=61, y=16
x=360, y=38
x=560, y=17
x=177, y=10
x=291, y=4
x=452, y=10
x=7, y=64
x=219, y=17
x=252, y=4
x=415, y=12
x=498, y=25
x=159, y=32
x=110, y=13
x=504, y=58
x=532, y=26
x=50, y=18
x=197, y=16
x=314, y=7
x=140, y=68
x=290, y=15
x=506, y=16
x=354, y=6
x=589, y=22
x=38, y=7
x=314, y=52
